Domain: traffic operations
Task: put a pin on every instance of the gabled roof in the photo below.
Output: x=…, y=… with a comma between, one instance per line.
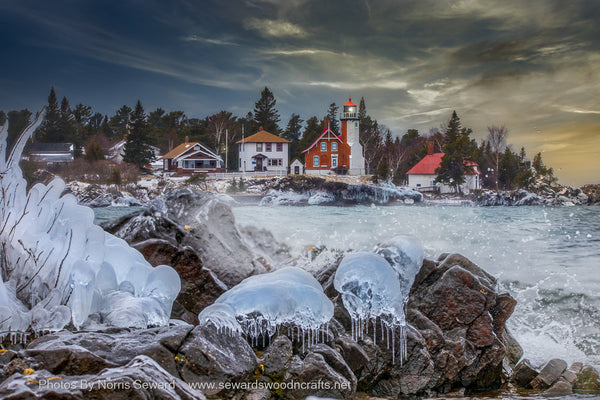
x=38, y=147
x=431, y=162
x=263, y=136
x=187, y=147
x=326, y=132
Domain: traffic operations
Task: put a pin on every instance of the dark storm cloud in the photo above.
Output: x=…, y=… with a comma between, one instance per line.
x=529, y=64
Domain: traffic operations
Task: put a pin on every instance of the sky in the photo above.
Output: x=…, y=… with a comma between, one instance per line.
x=531, y=65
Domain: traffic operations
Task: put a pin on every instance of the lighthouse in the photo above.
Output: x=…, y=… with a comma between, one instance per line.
x=350, y=135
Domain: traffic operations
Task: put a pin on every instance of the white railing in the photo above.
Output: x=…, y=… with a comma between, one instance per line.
x=248, y=174
x=350, y=115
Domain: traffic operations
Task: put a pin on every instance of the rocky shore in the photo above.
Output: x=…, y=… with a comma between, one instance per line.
x=457, y=341
x=307, y=190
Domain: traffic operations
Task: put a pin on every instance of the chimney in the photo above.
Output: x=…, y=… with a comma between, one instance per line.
x=187, y=139
x=429, y=148
x=261, y=129
x=326, y=124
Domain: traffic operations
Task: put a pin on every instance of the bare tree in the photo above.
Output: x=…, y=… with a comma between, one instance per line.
x=497, y=139
x=218, y=123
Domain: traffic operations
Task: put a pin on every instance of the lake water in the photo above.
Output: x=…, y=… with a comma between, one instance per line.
x=548, y=258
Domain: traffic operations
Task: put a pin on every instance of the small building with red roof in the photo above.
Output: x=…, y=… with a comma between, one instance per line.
x=191, y=157
x=263, y=152
x=422, y=176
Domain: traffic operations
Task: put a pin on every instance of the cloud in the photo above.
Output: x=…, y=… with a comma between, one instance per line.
x=577, y=110
x=274, y=28
x=219, y=42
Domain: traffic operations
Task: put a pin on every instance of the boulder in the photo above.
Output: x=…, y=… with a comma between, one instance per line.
x=142, y=378
x=523, y=374
x=549, y=374
x=278, y=355
x=587, y=380
x=560, y=388
x=212, y=358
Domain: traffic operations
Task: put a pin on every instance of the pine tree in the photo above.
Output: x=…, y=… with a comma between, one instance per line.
x=362, y=109
x=265, y=113
x=118, y=123
x=458, y=148
x=137, y=149
x=49, y=129
x=332, y=116
x=66, y=124
x=312, y=131
x=293, y=133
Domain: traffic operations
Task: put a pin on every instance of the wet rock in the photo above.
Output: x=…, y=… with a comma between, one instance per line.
x=549, y=374
x=142, y=378
x=210, y=357
x=514, y=351
x=560, y=388
x=314, y=376
x=78, y=353
x=258, y=394
x=523, y=374
x=569, y=376
x=278, y=356
x=587, y=380
x=354, y=355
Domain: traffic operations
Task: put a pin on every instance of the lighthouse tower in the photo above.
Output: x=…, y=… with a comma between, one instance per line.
x=350, y=136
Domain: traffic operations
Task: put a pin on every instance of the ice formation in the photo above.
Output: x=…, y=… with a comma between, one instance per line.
x=260, y=304
x=58, y=267
x=376, y=286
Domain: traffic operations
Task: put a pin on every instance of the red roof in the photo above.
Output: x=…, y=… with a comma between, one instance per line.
x=431, y=162
x=350, y=103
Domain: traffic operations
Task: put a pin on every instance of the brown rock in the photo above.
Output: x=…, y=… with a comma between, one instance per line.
x=560, y=388
x=549, y=374
x=523, y=374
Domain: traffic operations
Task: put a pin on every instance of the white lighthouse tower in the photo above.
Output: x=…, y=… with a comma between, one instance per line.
x=350, y=135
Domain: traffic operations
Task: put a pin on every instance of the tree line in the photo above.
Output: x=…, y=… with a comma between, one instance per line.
x=389, y=157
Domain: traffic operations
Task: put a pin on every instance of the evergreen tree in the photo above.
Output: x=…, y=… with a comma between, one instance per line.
x=293, y=133
x=66, y=125
x=458, y=148
x=118, y=123
x=508, y=169
x=362, y=108
x=137, y=149
x=312, y=131
x=332, y=115
x=265, y=113
x=49, y=129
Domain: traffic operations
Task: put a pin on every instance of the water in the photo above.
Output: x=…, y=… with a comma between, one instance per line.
x=103, y=214
x=547, y=258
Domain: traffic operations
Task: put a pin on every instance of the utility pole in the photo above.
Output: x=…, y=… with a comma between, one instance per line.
x=226, y=148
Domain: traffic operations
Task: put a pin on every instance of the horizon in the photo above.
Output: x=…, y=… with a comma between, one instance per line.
x=534, y=67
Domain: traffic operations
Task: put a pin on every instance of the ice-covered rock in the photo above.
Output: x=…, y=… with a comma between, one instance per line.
x=54, y=259
x=262, y=303
x=376, y=286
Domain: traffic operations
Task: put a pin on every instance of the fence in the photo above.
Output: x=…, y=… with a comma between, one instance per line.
x=249, y=174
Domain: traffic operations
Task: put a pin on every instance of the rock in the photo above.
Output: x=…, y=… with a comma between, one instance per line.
x=523, y=374
x=569, y=376
x=549, y=374
x=560, y=388
x=314, y=376
x=214, y=358
x=278, y=355
x=514, y=351
x=353, y=354
x=576, y=368
x=258, y=394
x=587, y=380
x=142, y=378
x=78, y=353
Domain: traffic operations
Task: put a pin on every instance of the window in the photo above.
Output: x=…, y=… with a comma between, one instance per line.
x=334, y=146
x=279, y=146
x=268, y=146
x=258, y=146
x=323, y=146
x=274, y=162
x=315, y=161
x=334, y=159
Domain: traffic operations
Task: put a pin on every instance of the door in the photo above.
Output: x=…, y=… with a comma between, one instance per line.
x=297, y=170
x=259, y=164
x=334, y=161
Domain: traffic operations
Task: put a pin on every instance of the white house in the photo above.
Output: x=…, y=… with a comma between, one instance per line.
x=422, y=176
x=191, y=157
x=117, y=152
x=296, y=167
x=263, y=151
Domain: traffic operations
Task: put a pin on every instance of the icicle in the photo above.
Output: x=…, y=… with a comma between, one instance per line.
x=374, y=331
x=393, y=346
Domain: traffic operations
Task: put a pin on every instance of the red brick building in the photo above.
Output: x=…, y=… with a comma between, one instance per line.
x=329, y=153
